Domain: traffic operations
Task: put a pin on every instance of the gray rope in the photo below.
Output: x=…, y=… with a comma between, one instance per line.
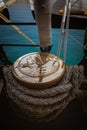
x=43, y=104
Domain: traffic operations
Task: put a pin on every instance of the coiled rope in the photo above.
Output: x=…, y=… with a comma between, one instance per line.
x=43, y=104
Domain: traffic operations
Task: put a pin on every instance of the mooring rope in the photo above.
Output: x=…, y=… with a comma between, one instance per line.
x=43, y=104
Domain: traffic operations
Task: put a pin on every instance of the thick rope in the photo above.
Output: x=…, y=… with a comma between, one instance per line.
x=43, y=104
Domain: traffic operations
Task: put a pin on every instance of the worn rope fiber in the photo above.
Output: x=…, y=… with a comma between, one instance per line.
x=43, y=104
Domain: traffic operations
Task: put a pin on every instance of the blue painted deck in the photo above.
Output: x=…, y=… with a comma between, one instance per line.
x=23, y=14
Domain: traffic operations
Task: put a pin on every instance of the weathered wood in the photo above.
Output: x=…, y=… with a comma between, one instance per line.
x=39, y=70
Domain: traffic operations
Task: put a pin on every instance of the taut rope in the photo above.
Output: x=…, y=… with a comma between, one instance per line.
x=64, y=29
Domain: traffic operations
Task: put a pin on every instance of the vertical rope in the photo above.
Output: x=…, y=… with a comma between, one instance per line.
x=66, y=34
x=62, y=31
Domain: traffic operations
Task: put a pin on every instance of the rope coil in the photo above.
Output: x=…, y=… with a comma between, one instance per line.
x=43, y=104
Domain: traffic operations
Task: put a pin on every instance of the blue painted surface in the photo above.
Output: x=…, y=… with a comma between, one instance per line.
x=23, y=14
x=20, y=13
